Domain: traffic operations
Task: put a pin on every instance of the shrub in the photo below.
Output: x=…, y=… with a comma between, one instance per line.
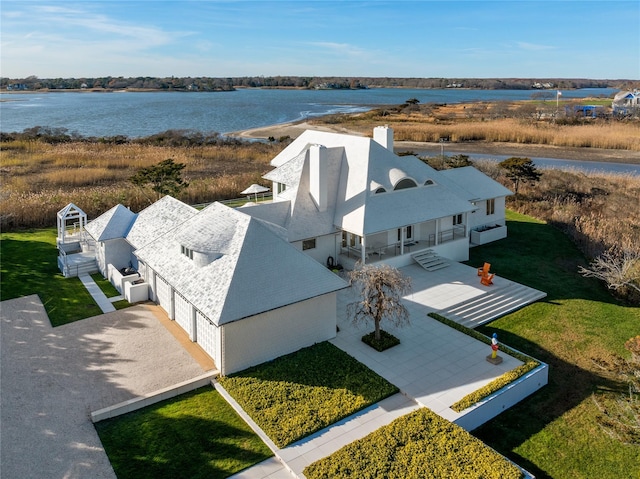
x=386, y=341
x=300, y=393
x=420, y=444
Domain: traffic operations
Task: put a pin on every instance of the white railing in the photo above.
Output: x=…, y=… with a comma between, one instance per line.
x=379, y=252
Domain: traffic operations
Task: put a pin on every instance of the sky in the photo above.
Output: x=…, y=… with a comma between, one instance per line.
x=598, y=39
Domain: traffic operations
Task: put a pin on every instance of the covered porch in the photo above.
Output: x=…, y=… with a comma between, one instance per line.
x=397, y=245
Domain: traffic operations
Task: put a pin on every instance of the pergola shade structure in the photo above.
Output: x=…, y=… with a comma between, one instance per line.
x=71, y=223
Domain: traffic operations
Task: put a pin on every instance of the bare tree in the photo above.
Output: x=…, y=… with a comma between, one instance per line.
x=618, y=269
x=381, y=289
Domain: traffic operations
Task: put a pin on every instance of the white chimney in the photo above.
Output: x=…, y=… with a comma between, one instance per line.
x=384, y=136
x=318, y=175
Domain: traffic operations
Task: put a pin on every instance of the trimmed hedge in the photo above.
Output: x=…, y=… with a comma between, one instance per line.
x=298, y=394
x=498, y=383
x=387, y=340
x=418, y=445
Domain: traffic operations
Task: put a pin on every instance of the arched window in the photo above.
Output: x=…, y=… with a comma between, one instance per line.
x=428, y=182
x=380, y=190
x=405, y=183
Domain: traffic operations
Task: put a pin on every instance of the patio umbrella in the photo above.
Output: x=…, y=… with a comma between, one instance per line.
x=254, y=190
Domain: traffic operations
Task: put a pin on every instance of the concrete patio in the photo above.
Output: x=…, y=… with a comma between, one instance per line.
x=434, y=366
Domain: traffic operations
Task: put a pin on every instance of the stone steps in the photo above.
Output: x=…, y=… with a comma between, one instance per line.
x=430, y=260
x=492, y=305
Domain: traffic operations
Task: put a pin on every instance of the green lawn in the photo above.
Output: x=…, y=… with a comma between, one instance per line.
x=298, y=394
x=28, y=265
x=107, y=288
x=196, y=436
x=110, y=291
x=554, y=433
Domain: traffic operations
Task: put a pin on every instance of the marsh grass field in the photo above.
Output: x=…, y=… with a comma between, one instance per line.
x=598, y=210
x=501, y=122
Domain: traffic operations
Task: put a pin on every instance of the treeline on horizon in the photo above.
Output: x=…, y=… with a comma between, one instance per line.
x=231, y=83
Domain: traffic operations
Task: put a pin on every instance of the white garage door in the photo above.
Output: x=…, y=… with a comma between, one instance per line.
x=206, y=334
x=183, y=313
x=164, y=294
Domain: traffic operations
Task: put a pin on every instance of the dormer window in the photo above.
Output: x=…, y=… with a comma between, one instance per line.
x=428, y=182
x=404, y=184
x=187, y=252
x=380, y=190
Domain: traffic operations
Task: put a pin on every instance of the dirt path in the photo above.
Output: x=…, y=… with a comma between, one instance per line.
x=294, y=129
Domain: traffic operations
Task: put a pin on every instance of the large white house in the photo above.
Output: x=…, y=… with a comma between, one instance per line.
x=351, y=198
x=250, y=284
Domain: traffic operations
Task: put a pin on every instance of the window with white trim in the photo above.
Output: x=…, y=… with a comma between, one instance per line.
x=457, y=219
x=491, y=206
x=309, y=244
x=186, y=251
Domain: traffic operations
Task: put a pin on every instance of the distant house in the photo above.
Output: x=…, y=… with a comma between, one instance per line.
x=251, y=284
x=626, y=103
x=17, y=87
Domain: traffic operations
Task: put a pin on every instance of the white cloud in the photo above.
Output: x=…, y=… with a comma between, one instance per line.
x=342, y=49
x=535, y=47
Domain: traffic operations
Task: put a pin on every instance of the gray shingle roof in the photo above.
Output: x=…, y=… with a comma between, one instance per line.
x=250, y=269
x=474, y=184
x=112, y=224
x=155, y=220
x=357, y=167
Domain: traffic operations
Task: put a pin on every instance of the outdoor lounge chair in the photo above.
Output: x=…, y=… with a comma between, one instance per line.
x=484, y=270
x=486, y=279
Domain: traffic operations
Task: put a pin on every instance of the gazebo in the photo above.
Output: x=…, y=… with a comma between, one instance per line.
x=71, y=223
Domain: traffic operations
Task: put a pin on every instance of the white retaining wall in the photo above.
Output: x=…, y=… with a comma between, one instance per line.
x=503, y=399
x=153, y=398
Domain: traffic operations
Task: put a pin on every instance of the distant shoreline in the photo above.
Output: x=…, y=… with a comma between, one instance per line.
x=296, y=128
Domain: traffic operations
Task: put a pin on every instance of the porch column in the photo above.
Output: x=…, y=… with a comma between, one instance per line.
x=402, y=237
x=437, y=231
x=363, y=250
x=466, y=225
x=194, y=325
x=154, y=294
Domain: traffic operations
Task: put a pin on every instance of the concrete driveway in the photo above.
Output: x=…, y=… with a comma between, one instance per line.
x=52, y=378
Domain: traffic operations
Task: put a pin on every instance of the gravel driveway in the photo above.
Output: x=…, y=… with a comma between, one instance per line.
x=52, y=378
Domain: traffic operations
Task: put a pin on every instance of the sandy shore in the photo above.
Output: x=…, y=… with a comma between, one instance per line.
x=294, y=129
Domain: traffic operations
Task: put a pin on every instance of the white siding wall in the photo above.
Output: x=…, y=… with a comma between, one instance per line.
x=272, y=334
x=446, y=223
x=100, y=259
x=325, y=247
x=142, y=269
x=481, y=218
x=427, y=229
x=116, y=252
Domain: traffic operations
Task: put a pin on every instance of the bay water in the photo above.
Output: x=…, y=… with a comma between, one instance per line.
x=139, y=114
